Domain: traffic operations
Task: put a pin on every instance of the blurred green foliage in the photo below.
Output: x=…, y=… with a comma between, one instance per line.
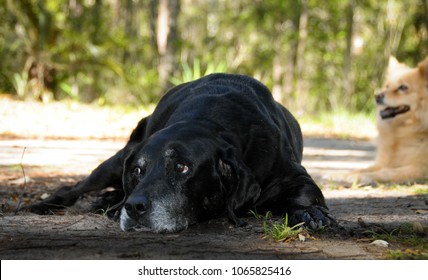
x=314, y=55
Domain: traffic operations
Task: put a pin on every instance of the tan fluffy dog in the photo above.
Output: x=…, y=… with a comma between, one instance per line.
x=402, y=146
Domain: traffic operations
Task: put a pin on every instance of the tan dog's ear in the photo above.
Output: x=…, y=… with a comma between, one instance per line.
x=395, y=66
x=423, y=67
x=393, y=62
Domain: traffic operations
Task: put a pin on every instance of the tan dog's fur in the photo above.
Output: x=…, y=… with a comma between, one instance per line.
x=402, y=146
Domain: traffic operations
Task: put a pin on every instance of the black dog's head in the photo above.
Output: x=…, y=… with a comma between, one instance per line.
x=181, y=175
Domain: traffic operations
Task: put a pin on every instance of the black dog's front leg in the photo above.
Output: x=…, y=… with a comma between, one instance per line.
x=108, y=173
x=307, y=205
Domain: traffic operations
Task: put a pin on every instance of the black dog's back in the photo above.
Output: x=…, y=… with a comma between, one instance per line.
x=236, y=102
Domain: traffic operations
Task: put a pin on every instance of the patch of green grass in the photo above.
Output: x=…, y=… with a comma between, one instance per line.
x=408, y=254
x=415, y=188
x=196, y=71
x=279, y=230
x=102, y=212
x=340, y=124
x=15, y=167
x=411, y=245
x=420, y=190
x=330, y=185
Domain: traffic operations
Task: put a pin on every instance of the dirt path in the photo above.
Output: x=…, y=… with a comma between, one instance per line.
x=363, y=213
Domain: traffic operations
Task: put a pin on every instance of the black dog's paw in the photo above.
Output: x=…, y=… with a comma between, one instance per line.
x=314, y=217
x=38, y=208
x=47, y=207
x=57, y=201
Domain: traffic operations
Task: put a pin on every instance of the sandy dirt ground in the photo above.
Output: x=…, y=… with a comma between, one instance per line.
x=396, y=214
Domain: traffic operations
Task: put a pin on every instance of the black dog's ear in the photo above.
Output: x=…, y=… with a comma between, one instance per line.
x=241, y=186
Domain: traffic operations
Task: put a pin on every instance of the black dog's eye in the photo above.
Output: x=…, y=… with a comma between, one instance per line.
x=403, y=88
x=137, y=171
x=181, y=168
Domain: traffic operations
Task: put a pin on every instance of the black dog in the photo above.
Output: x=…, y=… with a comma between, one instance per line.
x=216, y=145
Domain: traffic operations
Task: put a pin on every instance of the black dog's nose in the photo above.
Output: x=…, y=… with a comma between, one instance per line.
x=136, y=205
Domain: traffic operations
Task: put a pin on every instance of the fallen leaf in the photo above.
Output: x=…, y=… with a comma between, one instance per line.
x=380, y=243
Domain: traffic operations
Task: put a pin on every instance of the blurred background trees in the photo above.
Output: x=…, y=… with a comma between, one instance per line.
x=314, y=55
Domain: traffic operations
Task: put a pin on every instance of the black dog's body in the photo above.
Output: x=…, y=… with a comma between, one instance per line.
x=219, y=145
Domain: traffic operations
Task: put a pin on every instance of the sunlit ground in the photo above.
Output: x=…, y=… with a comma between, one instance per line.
x=71, y=120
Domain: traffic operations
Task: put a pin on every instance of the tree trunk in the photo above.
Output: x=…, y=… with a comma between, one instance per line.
x=130, y=30
x=165, y=33
x=301, y=84
x=93, y=92
x=289, y=86
x=347, y=86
